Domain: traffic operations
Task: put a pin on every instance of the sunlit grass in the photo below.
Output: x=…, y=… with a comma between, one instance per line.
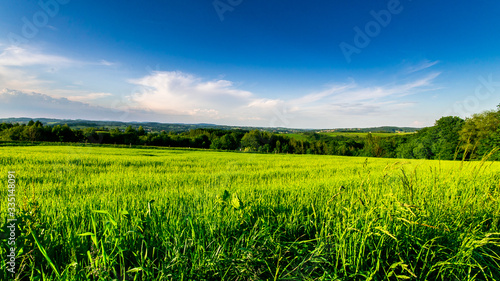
x=170, y=214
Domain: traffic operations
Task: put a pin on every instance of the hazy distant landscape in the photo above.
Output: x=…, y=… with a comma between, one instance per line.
x=451, y=137
x=156, y=126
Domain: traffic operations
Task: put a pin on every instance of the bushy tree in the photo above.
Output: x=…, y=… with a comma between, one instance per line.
x=252, y=140
x=445, y=137
x=141, y=131
x=480, y=134
x=63, y=133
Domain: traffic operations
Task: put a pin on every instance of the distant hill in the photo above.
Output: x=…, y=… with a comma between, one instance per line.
x=181, y=127
x=383, y=129
x=148, y=126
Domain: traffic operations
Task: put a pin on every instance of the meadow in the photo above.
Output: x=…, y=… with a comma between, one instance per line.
x=103, y=213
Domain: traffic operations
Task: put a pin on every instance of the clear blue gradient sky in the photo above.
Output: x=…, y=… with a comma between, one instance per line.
x=316, y=64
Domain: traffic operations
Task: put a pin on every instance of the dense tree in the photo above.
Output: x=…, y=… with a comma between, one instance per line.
x=278, y=147
x=480, y=134
x=32, y=133
x=226, y=142
x=446, y=137
x=64, y=133
x=129, y=130
x=372, y=146
x=141, y=131
x=252, y=140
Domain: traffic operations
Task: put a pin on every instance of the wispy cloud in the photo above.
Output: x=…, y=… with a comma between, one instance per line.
x=16, y=56
x=32, y=70
x=331, y=91
x=36, y=105
x=23, y=69
x=106, y=63
x=16, y=78
x=354, y=94
x=420, y=66
x=89, y=97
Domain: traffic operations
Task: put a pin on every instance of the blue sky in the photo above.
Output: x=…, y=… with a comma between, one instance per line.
x=316, y=64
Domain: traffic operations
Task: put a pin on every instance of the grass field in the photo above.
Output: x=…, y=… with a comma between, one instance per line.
x=92, y=213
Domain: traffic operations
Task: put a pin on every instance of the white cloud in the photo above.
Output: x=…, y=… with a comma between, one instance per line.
x=421, y=66
x=333, y=90
x=353, y=93
x=22, y=68
x=219, y=101
x=266, y=103
x=183, y=94
x=89, y=97
x=31, y=70
x=106, y=63
x=350, y=97
x=16, y=78
x=30, y=104
x=16, y=56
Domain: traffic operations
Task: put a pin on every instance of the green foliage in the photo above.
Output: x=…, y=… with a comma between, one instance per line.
x=481, y=134
x=253, y=140
x=450, y=138
x=446, y=137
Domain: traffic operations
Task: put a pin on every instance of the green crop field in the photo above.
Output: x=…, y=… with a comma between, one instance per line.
x=103, y=213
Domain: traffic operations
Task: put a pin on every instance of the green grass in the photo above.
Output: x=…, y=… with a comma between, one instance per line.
x=103, y=213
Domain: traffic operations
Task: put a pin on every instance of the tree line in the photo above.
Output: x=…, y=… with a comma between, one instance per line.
x=450, y=138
